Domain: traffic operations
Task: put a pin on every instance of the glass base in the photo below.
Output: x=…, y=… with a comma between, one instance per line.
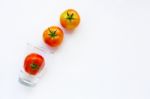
x=27, y=79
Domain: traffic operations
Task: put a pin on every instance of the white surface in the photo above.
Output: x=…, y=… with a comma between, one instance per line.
x=107, y=56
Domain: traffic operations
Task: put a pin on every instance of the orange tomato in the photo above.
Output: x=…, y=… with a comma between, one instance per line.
x=70, y=19
x=53, y=36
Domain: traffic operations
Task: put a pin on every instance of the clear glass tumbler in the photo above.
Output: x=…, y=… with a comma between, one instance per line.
x=34, y=65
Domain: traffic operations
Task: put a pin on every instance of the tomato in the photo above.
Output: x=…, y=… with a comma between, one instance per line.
x=70, y=19
x=33, y=63
x=53, y=36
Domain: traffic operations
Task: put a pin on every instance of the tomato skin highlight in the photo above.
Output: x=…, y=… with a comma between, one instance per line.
x=69, y=19
x=33, y=63
x=53, y=36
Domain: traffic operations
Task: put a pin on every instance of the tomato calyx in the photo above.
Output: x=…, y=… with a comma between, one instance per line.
x=52, y=33
x=70, y=16
x=34, y=66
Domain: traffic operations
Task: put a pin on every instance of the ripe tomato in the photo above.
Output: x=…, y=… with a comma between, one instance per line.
x=53, y=36
x=33, y=63
x=70, y=19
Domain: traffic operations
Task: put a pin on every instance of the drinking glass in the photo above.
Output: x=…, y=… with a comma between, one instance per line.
x=31, y=73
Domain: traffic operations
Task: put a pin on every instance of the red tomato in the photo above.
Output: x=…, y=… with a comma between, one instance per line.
x=70, y=19
x=33, y=63
x=53, y=36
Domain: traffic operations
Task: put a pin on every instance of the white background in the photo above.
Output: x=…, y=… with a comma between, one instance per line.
x=106, y=57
